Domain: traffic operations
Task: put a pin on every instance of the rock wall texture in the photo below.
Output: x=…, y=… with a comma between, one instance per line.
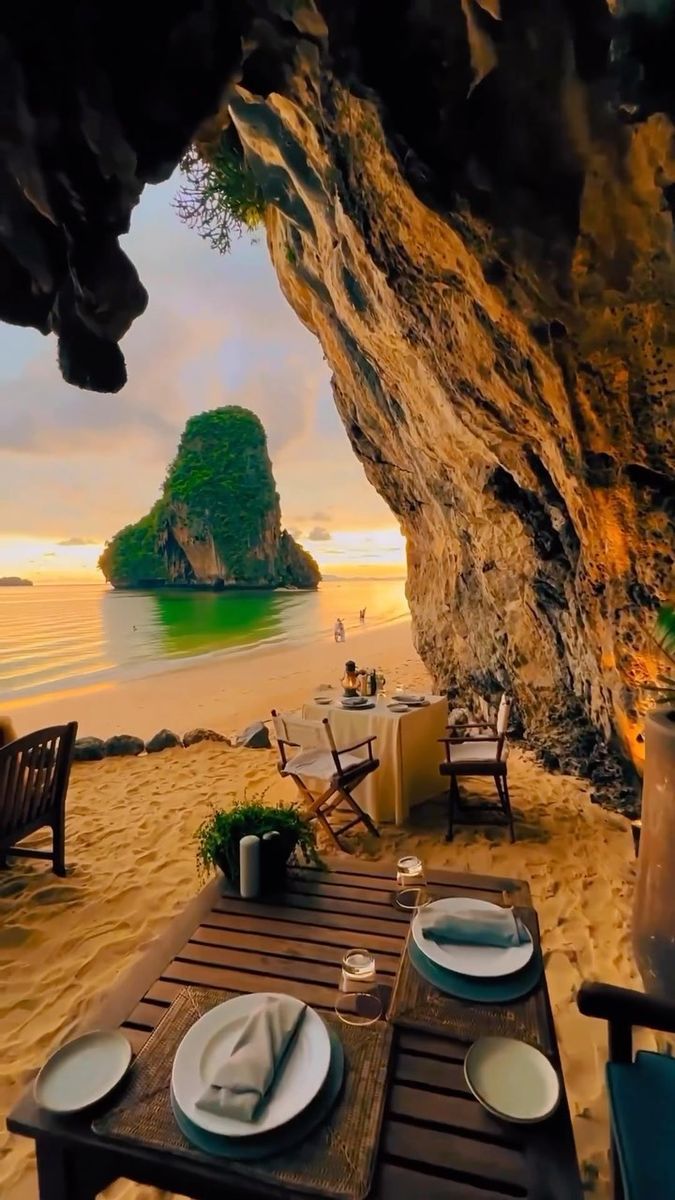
x=472, y=206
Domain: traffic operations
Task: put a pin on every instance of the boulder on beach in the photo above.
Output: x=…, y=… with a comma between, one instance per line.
x=164, y=739
x=193, y=736
x=89, y=749
x=123, y=743
x=255, y=737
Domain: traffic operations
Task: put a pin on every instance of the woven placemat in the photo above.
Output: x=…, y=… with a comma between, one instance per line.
x=417, y=1004
x=336, y=1161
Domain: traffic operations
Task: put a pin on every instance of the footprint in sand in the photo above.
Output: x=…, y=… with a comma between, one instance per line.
x=12, y=887
x=57, y=894
x=17, y=935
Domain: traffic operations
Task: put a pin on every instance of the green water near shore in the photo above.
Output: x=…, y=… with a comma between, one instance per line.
x=57, y=636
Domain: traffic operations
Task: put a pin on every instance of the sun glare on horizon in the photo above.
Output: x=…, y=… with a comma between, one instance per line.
x=55, y=559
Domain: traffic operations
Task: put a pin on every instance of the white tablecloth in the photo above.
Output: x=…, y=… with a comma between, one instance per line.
x=407, y=747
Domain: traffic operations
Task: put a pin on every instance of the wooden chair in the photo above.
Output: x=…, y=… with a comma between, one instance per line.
x=325, y=775
x=485, y=754
x=34, y=773
x=641, y=1091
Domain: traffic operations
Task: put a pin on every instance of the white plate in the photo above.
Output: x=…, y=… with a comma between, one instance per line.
x=302, y=1073
x=512, y=1079
x=347, y=702
x=397, y=707
x=83, y=1071
x=483, y=962
x=410, y=697
x=322, y=700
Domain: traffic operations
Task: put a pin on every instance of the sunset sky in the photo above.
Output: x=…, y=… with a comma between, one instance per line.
x=75, y=466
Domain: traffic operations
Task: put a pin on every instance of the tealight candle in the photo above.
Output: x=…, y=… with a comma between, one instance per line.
x=358, y=971
x=411, y=880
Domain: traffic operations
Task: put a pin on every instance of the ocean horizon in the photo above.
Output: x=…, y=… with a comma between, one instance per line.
x=59, y=636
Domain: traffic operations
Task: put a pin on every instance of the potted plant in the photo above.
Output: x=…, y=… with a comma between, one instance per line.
x=653, y=913
x=219, y=835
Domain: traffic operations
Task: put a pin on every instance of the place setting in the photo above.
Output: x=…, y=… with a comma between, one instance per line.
x=465, y=958
x=261, y=1081
x=403, y=700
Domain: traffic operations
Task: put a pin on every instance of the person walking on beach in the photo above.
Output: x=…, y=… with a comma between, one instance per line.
x=339, y=630
x=362, y=615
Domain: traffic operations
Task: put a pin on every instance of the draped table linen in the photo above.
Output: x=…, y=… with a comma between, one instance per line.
x=407, y=747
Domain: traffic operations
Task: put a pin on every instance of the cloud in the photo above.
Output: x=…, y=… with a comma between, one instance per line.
x=318, y=534
x=79, y=541
x=296, y=534
x=217, y=331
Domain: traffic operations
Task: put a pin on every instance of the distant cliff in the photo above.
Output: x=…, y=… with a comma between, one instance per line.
x=14, y=581
x=218, y=520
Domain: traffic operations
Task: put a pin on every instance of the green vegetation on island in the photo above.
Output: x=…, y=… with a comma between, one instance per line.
x=217, y=522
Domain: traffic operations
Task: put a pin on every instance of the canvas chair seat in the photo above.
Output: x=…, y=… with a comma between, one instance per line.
x=319, y=764
x=478, y=752
x=325, y=775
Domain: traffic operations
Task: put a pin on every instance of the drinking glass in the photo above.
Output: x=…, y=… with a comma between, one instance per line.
x=411, y=882
x=358, y=1001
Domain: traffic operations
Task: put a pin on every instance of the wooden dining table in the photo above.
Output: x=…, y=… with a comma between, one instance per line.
x=437, y=1141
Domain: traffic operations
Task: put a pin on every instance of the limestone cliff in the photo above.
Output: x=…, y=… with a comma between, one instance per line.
x=218, y=521
x=471, y=204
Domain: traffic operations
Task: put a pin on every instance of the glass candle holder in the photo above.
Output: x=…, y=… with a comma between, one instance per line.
x=358, y=970
x=411, y=883
x=358, y=1001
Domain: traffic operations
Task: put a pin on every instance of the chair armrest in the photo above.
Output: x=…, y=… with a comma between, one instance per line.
x=624, y=1006
x=458, y=741
x=473, y=725
x=358, y=745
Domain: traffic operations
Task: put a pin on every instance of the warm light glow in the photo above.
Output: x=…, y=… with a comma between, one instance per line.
x=356, y=552
x=45, y=559
x=364, y=547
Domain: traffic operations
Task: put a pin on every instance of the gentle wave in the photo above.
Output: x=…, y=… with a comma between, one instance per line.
x=64, y=636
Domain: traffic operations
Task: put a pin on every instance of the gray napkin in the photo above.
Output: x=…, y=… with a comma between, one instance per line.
x=476, y=927
x=238, y=1085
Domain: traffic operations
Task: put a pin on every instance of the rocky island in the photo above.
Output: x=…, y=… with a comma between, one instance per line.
x=14, y=581
x=217, y=522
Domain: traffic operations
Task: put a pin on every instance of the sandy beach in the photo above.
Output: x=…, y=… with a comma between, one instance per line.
x=224, y=692
x=131, y=867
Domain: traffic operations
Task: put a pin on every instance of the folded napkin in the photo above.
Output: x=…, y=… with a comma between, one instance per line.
x=238, y=1085
x=476, y=927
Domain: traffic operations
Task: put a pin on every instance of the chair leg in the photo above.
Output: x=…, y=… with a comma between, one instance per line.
x=325, y=824
x=453, y=797
x=503, y=789
x=59, y=848
x=360, y=812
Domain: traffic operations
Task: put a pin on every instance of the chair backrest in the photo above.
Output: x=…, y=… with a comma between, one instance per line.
x=308, y=735
x=34, y=773
x=503, y=714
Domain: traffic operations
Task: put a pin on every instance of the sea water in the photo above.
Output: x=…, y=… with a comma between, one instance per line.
x=58, y=636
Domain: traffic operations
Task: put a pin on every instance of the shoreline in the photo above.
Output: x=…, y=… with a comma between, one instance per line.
x=219, y=689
